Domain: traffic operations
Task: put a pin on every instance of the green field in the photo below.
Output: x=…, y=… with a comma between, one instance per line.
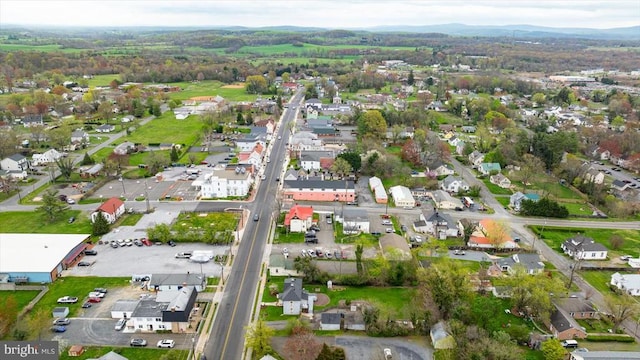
x=41, y=48
x=555, y=236
x=166, y=129
x=495, y=189
x=103, y=80
x=220, y=220
x=29, y=222
x=315, y=50
x=22, y=297
x=211, y=88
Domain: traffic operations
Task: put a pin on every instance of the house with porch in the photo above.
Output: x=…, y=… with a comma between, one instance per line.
x=15, y=162
x=439, y=168
x=577, y=308
x=106, y=128
x=294, y=299
x=443, y=200
x=111, y=210
x=314, y=160
x=47, y=157
x=476, y=158
x=565, y=327
x=299, y=218
x=491, y=234
x=222, y=183
x=580, y=247
x=530, y=263
x=454, y=184
x=79, y=137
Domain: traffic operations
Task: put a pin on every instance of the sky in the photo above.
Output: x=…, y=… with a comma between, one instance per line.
x=343, y=14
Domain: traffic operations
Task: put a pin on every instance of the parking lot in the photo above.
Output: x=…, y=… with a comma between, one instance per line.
x=155, y=259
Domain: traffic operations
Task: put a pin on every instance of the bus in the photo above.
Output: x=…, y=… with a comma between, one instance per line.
x=467, y=201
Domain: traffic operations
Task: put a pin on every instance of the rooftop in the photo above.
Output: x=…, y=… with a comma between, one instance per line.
x=43, y=251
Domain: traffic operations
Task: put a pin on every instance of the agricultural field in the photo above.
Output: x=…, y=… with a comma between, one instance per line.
x=318, y=51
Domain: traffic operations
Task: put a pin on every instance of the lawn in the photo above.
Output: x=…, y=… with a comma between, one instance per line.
x=22, y=297
x=150, y=353
x=166, y=129
x=579, y=209
x=503, y=200
x=103, y=80
x=220, y=220
x=28, y=222
x=211, y=88
x=555, y=236
x=599, y=279
x=102, y=154
x=131, y=219
x=495, y=189
x=284, y=237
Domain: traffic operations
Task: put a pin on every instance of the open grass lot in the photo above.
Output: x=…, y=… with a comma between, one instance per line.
x=103, y=80
x=555, y=236
x=495, y=189
x=22, y=297
x=211, y=88
x=131, y=219
x=79, y=287
x=446, y=118
x=579, y=209
x=598, y=279
x=284, y=237
x=30, y=222
x=220, y=220
x=102, y=154
x=150, y=353
x=166, y=129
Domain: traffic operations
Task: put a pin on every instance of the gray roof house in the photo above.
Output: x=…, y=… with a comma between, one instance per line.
x=584, y=248
x=295, y=299
x=454, y=184
x=162, y=282
x=564, y=327
x=355, y=221
x=170, y=310
x=440, y=337
x=330, y=321
x=531, y=263
x=442, y=225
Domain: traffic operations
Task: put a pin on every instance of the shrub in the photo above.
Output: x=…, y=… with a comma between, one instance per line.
x=618, y=338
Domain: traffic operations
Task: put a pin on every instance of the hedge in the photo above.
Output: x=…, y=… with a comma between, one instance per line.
x=618, y=338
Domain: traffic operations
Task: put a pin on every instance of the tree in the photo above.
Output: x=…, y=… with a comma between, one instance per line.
x=622, y=307
x=341, y=167
x=358, y=252
x=239, y=119
x=539, y=98
x=552, y=349
x=9, y=141
x=156, y=162
x=105, y=111
x=65, y=165
x=306, y=266
x=100, y=226
x=8, y=315
x=173, y=156
x=38, y=323
x=331, y=353
x=87, y=160
x=410, y=78
x=532, y=292
x=38, y=133
x=352, y=158
x=60, y=137
x=255, y=84
x=159, y=232
x=52, y=208
x=447, y=284
x=372, y=124
x=258, y=338
x=302, y=345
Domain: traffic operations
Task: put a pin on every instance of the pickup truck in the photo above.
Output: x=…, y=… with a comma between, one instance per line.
x=67, y=300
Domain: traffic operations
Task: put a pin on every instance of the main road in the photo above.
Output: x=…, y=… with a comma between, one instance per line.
x=226, y=340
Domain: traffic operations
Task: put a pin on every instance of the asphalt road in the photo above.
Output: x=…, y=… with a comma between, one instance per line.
x=226, y=340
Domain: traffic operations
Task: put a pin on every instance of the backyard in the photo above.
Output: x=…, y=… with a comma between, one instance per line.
x=28, y=222
x=555, y=236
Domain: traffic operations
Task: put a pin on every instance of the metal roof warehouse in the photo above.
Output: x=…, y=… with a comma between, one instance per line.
x=38, y=257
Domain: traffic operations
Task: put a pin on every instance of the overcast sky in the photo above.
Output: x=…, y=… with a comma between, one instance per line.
x=321, y=13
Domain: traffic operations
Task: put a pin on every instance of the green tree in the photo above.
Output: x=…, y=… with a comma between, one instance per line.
x=174, y=156
x=372, y=124
x=52, y=208
x=306, y=266
x=331, y=353
x=65, y=165
x=100, y=226
x=159, y=232
x=258, y=338
x=539, y=98
x=60, y=137
x=552, y=350
x=448, y=285
x=530, y=168
x=532, y=292
x=87, y=160
x=8, y=315
x=359, y=251
x=105, y=111
x=239, y=118
x=156, y=162
x=39, y=323
x=256, y=84
x=341, y=167
x=353, y=159
x=411, y=79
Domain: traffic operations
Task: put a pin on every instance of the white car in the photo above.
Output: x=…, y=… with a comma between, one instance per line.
x=96, y=294
x=303, y=253
x=389, y=230
x=386, y=222
x=285, y=251
x=120, y=324
x=166, y=343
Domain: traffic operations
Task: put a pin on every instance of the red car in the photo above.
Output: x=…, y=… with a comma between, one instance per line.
x=94, y=300
x=146, y=241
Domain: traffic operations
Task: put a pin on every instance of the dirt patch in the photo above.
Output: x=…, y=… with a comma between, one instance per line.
x=321, y=300
x=233, y=86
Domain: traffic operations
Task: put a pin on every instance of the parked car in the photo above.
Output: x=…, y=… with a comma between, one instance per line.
x=137, y=242
x=184, y=255
x=91, y=252
x=303, y=253
x=167, y=343
x=67, y=300
x=101, y=290
x=138, y=342
x=86, y=305
x=121, y=242
x=85, y=263
x=70, y=201
x=128, y=242
x=145, y=242
x=389, y=230
x=171, y=243
x=58, y=329
x=386, y=222
x=120, y=324
x=403, y=228
x=61, y=321
x=314, y=227
x=94, y=300
x=96, y=294
x=376, y=233
x=459, y=252
x=114, y=244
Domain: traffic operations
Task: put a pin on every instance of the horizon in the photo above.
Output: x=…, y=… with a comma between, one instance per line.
x=325, y=14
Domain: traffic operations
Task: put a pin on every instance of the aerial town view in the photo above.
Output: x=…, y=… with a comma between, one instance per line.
x=330, y=180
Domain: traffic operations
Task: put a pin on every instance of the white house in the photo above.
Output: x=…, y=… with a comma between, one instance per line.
x=454, y=184
x=313, y=160
x=584, y=248
x=49, y=156
x=107, y=128
x=441, y=169
x=441, y=226
x=443, y=200
x=248, y=143
x=123, y=309
x=629, y=283
x=169, y=311
x=500, y=180
x=299, y=218
x=594, y=175
x=172, y=282
x=402, y=196
x=515, y=200
x=476, y=158
x=379, y=192
x=15, y=162
x=488, y=168
x=295, y=299
x=224, y=183
x=79, y=137
x=111, y=210
x=355, y=221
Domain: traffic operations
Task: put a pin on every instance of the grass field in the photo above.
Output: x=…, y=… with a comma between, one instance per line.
x=149, y=353
x=211, y=88
x=318, y=50
x=103, y=80
x=29, y=222
x=166, y=129
x=220, y=220
x=22, y=297
x=598, y=279
x=495, y=189
x=555, y=236
x=40, y=48
x=131, y=220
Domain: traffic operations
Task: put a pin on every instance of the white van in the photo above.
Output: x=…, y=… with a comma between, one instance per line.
x=569, y=344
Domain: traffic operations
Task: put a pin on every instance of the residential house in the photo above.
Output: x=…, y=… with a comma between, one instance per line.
x=127, y=119
x=402, y=196
x=222, y=183
x=601, y=154
x=442, y=226
x=454, y=184
x=266, y=123
x=379, y=192
x=295, y=300
x=469, y=129
x=318, y=190
x=490, y=234
x=440, y=337
x=440, y=169
x=91, y=171
x=172, y=282
x=281, y=265
x=305, y=140
x=253, y=157
x=170, y=310
x=299, y=218
x=577, y=308
x=581, y=247
x=111, y=210
x=355, y=221
x=48, y=157
x=604, y=355
x=530, y=263
x=249, y=142
x=111, y=355
x=124, y=148
x=629, y=283
x=330, y=321
x=489, y=168
x=564, y=327
x=106, y=128
x=420, y=226
x=79, y=137
x=293, y=174
x=314, y=160
x=15, y=162
x=30, y=120
x=313, y=104
x=476, y=158
x=443, y=200
x=592, y=174
x=515, y=200
x=500, y=180
x=460, y=147
x=123, y=309
x=324, y=131
x=437, y=106
x=619, y=185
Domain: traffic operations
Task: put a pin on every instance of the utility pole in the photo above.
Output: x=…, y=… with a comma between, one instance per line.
x=146, y=195
x=575, y=266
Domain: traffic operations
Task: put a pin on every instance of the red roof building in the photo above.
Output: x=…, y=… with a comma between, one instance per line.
x=299, y=218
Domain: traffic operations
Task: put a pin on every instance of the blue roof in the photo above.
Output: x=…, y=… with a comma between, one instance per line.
x=534, y=197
